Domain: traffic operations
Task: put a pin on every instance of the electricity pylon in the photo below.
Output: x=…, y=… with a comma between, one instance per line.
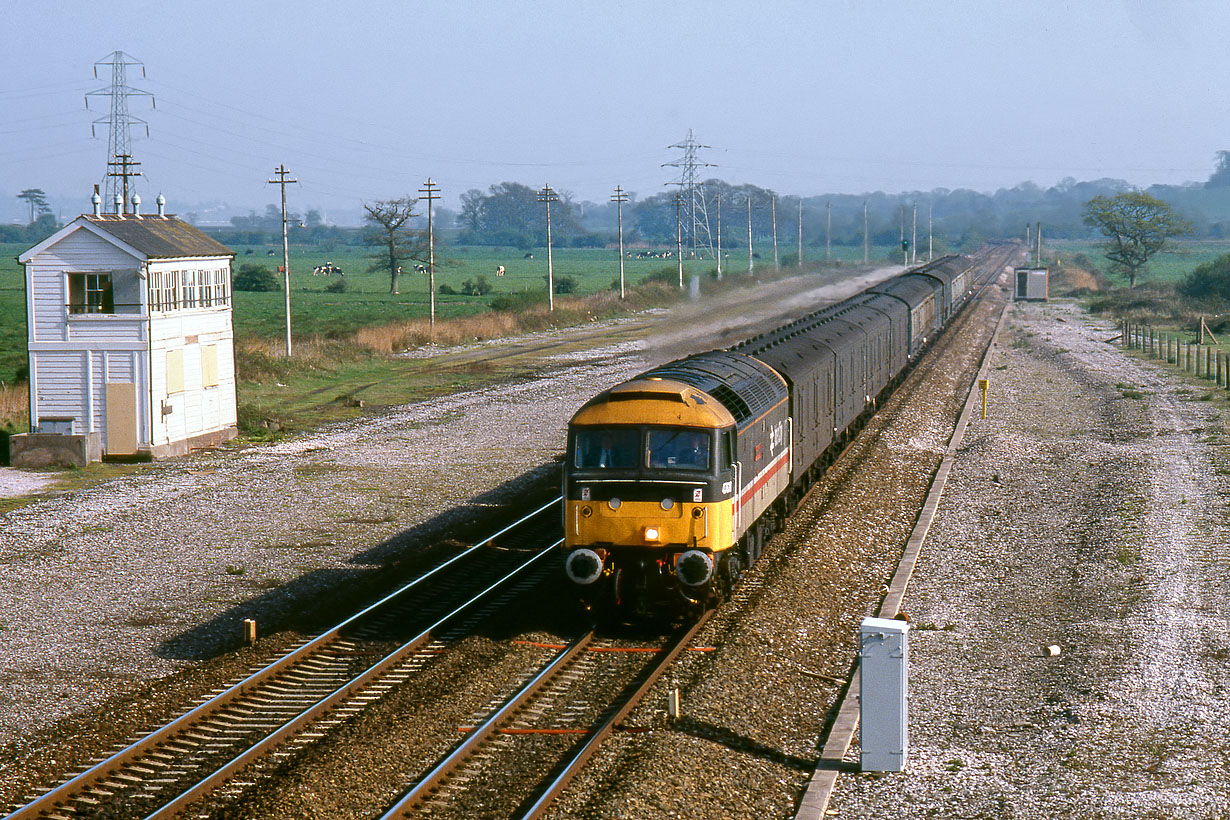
x=696, y=213
x=119, y=141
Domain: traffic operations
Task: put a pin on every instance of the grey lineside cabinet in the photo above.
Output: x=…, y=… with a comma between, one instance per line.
x=884, y=661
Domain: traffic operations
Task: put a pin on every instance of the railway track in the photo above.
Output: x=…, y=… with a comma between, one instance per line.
x=544, y=733
x=222, y=745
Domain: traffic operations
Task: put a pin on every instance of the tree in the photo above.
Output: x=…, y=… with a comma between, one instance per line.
x=37, y=200
x=386, y=230
x=1221, y=174
x=256, y=278
x=1136, y=226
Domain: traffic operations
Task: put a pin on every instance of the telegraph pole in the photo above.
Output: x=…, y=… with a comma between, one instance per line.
x=777, y=265
x=124, y=162
x=679, y=235
x=619, y=199
x=914, y=238
x=547, y=196
x=282, y=180
x=828, y=231
x=929, y=233
x=866, y=236
x=719, y=237
x=800, y=233
x=750, y=265
x=431, y=192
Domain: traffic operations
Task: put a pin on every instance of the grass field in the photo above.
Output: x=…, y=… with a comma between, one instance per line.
x=368, y=301
x=330, y=362
x=1169, y=266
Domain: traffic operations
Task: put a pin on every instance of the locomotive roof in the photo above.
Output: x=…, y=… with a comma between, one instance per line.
x=745, y=386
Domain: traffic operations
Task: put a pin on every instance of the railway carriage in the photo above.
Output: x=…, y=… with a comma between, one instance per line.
x=675, y=479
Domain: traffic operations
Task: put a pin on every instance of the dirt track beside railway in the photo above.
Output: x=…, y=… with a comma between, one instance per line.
x=1086, y=512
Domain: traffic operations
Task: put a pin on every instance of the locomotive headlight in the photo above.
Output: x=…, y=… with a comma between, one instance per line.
x=614, y=503
x=667, y=503
x=583, y=566
x=694, y=568
x=652, y=534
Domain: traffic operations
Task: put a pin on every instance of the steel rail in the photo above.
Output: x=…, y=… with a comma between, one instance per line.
x=431, y=781
x=578, y=762
x=104, y=769
x=332, y=701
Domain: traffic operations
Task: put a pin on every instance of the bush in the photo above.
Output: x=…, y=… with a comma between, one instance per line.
x=518, y=302
x=1210, y=280
x=565, y=284
x=667, y=276
x=338, y=286
x=479, y=287
x=446, y=290
x=256, y=278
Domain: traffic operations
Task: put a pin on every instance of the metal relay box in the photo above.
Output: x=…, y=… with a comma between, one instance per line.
x=884, y=661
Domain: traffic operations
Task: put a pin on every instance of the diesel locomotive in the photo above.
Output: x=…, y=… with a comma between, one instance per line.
x=675, y=479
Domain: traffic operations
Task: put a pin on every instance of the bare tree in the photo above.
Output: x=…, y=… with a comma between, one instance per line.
x=394, y=244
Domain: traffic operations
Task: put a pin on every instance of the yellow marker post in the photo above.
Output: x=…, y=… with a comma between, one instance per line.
x=983, y=384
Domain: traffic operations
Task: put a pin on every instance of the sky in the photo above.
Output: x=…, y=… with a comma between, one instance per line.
x=366, y=101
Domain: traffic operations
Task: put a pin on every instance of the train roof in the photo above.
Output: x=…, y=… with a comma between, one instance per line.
x=946, y=268
x=912, y=288
x=864, y=310
x=745, y=386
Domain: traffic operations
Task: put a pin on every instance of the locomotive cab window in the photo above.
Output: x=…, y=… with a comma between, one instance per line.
x=679, y=448
x=607, y=448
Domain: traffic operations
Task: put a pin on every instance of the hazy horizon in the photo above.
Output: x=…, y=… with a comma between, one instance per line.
x=367, y=102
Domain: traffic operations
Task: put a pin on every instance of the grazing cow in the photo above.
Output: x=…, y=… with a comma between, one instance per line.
x=529, y=256
x=420, y=269
x=499, y=270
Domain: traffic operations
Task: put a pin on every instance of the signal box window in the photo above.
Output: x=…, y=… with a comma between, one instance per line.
x=677, y=448
x=90, y=293
x=610, y=448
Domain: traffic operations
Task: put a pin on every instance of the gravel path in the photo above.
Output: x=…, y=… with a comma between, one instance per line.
x=1088, y=511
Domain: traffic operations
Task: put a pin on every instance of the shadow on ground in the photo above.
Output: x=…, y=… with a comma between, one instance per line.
x=319, y=599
